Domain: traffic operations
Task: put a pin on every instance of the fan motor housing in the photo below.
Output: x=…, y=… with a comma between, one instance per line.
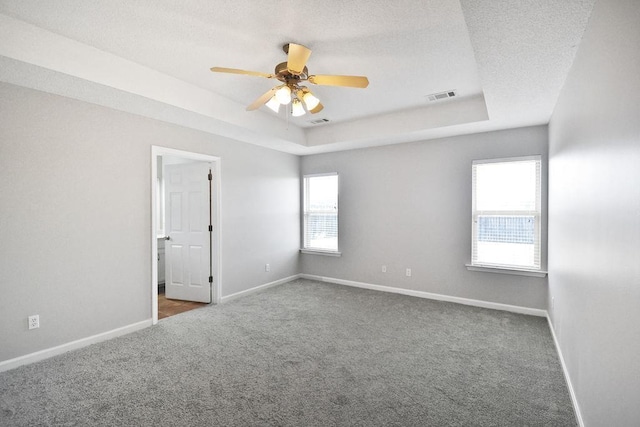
x=284, y=75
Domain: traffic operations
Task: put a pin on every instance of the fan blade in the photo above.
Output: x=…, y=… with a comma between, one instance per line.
x=297, y=58
x=236, y=71
x=263, y=99
x=317, y=108
x=349, y=81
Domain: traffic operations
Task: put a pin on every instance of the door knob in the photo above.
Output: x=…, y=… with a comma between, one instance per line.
x=167, y=237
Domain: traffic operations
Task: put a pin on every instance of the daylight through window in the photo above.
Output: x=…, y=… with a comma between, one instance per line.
x=506, y=213
x=321, y=212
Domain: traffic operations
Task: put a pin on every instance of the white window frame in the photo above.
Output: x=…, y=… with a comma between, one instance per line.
x=305, y=210
x=534, y=270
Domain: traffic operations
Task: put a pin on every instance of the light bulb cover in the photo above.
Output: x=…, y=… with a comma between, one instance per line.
x=283, y=95
x=296, y=108
x=273, y=104
x=310, y=101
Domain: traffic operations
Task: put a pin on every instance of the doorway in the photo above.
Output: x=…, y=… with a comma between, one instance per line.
x=193, y=246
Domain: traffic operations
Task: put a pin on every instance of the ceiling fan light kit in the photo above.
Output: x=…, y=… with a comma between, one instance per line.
x=310, y=101
x=297, y=109
x=273, y=104
x=283, y=95
x=291, y=74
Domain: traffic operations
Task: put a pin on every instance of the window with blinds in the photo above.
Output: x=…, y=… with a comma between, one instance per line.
x=321, y=212
x=506, y=212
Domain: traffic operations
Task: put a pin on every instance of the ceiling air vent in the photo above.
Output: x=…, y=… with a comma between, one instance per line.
x=318, y=121
x=441, y=95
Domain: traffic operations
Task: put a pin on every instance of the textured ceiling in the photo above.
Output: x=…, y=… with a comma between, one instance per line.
x=506, y=60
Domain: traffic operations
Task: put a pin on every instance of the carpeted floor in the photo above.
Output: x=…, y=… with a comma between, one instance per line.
x=305, y=354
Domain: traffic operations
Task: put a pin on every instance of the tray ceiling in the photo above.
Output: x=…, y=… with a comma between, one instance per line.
x=506, y=61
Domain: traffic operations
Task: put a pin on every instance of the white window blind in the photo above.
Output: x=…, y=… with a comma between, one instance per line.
x=506, y=212
x=321, y=212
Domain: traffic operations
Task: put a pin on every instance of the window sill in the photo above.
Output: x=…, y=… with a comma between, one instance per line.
x=506, y=270
x=320, y=252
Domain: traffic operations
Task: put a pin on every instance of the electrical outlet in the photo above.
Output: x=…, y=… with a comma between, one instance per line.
x=267, y=267
x=384, y=268
x=34, y=321
x=408, y=272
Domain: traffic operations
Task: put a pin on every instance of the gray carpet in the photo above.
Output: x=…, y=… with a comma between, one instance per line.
x=305, y=354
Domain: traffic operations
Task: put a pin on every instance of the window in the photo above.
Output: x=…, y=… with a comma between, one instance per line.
x=506, y=213
x=321, y=213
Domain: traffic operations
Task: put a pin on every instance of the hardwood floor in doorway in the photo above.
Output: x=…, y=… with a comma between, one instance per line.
x=171, y=307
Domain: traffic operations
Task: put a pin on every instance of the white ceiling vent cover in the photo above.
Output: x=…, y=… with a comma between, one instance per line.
x=441, y=95
x=318, y=121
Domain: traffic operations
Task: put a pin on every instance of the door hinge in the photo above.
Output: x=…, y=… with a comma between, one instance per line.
x=211, y=228
x=210, y=279
x=210, y=176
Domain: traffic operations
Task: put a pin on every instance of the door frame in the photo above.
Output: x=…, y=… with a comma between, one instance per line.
x=216, y=255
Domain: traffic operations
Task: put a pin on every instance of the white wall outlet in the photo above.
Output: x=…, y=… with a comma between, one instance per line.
x=34, y=321
x=408, y=272
x=384, y=268
x=267, y=267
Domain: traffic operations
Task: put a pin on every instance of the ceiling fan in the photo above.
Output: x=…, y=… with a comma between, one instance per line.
x=292, y=73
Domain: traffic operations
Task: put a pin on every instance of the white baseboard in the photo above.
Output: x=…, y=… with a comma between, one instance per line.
x=73, y=345
x=574, y=399
x=259, y=288
x=472, y=302
x=429, y=295
x=50, y=352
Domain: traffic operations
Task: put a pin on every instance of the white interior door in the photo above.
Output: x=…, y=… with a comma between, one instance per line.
x=187, y=216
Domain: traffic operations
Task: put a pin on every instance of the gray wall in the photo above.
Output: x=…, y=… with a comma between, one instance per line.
x=75, y=216
x=409, y=206
x=594, y=217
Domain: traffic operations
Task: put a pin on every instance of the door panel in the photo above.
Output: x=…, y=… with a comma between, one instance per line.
x=196, y=263
x=175, y=212
x=176, y=265
x=196, y=222
x=188, y=249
